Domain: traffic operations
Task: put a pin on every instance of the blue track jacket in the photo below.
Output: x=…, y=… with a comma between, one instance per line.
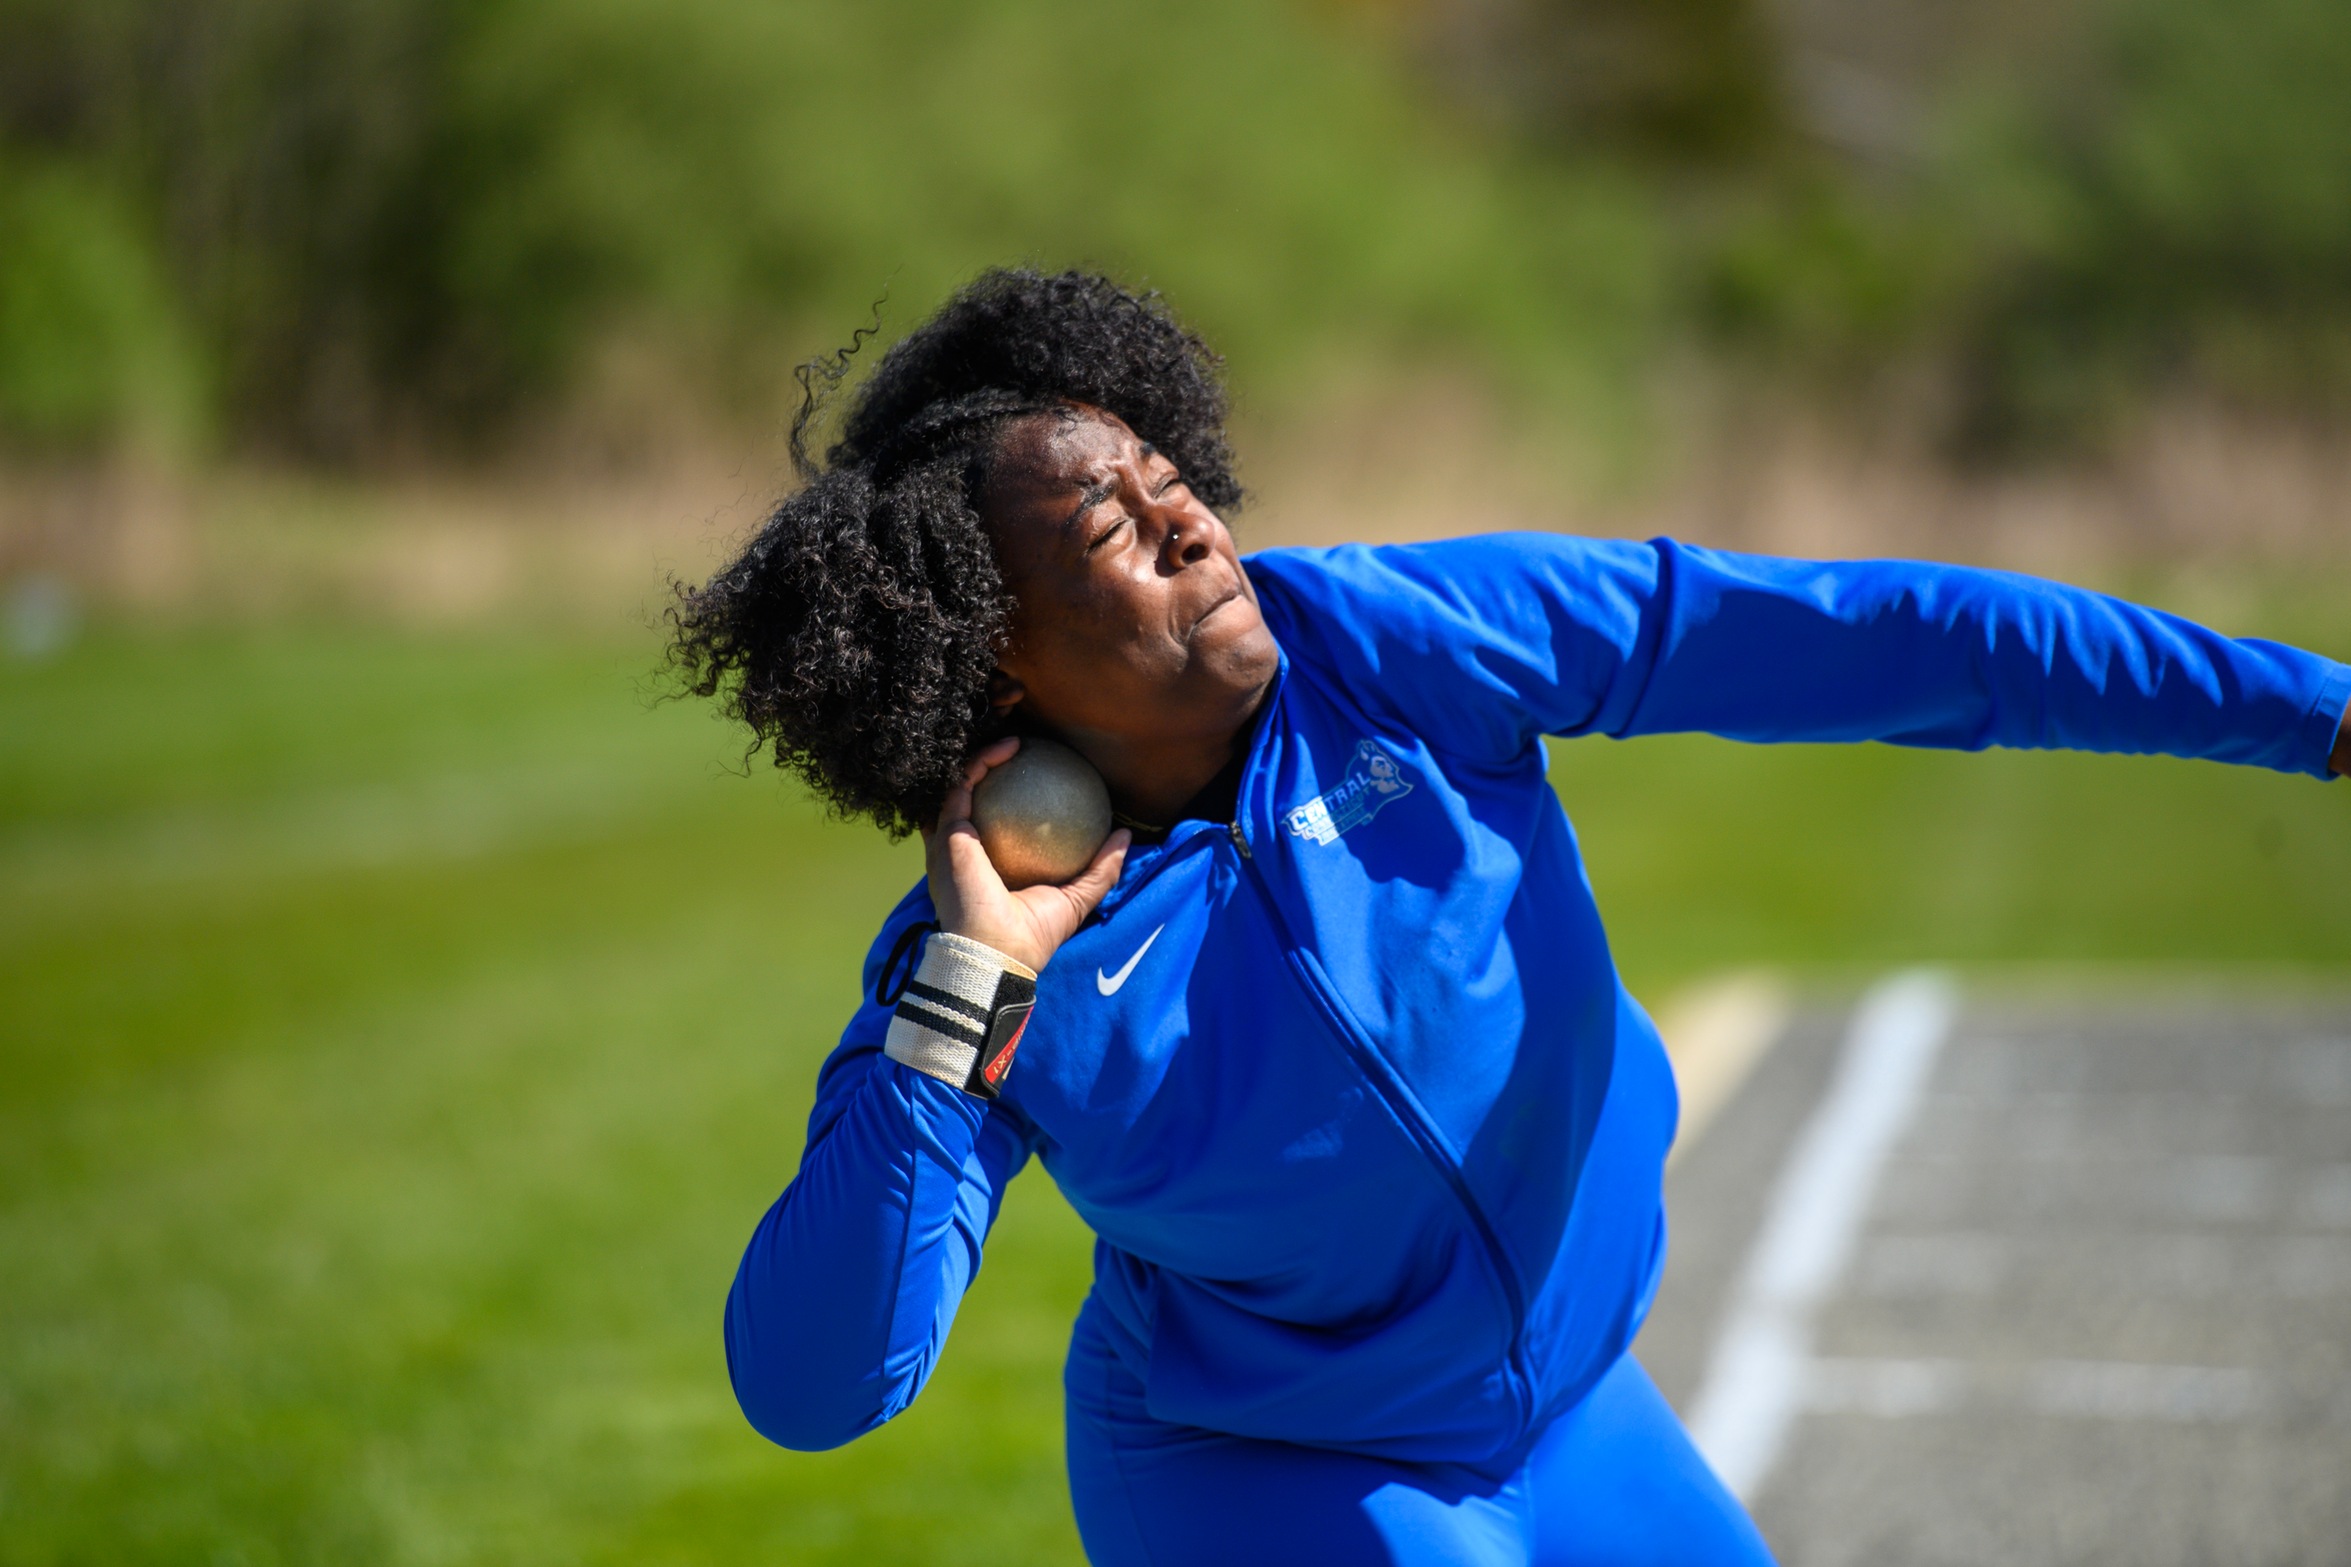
x=1369, y=1130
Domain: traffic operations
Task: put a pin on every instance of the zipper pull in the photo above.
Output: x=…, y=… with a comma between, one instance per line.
x=1240, y=838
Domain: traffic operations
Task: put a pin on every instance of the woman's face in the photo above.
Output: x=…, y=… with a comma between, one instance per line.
x=1133, y=620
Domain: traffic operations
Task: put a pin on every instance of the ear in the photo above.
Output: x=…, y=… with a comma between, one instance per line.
x=1005, y=692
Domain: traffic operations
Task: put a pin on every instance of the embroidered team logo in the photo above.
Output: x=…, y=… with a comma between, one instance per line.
x=1374, y=780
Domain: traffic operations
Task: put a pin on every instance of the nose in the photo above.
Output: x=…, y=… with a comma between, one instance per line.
x=1187, y=535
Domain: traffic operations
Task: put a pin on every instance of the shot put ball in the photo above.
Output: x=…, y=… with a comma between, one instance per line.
x=1041, y=815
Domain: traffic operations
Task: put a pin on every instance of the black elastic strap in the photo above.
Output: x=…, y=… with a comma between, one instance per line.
x=904, y=956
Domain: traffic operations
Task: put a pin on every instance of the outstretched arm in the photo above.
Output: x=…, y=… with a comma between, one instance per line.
x=1482, y=645
x=1932, y=655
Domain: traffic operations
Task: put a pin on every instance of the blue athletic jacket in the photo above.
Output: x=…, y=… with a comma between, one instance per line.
x=1369, y=1130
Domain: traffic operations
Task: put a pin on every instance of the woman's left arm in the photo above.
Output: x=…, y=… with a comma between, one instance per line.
x=1757, y=648
x=1482, y=645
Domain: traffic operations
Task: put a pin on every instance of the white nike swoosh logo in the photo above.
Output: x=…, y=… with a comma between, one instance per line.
x=1108, y=983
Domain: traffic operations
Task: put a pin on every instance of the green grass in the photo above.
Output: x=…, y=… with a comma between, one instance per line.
x=400, y=1038
x=399, y=1035
x=1842, y=861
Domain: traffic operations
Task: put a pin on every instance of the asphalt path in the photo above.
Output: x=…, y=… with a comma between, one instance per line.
x=2091, y=1301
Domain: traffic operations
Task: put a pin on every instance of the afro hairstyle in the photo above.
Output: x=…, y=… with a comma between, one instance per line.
x=855, y=633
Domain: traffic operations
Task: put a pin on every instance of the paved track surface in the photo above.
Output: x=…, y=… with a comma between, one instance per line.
x=2100, y=1305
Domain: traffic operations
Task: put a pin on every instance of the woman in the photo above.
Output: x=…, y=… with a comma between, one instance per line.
x=1326, y=1044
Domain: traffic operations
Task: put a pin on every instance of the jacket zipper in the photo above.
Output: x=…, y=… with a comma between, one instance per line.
x=1368, y=1062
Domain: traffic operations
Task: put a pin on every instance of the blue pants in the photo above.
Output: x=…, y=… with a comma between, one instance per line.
x=1614, y=1482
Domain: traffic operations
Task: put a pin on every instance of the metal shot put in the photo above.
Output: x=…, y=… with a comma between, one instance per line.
x=1041, y=815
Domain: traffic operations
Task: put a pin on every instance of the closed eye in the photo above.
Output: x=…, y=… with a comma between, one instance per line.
x=1170, y=480
x=1102, y=538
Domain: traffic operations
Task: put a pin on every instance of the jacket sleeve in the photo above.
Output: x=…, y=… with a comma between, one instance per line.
x=851, y=1282
x=1485, y=644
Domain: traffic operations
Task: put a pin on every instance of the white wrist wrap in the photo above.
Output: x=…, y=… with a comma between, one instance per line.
x=961, y=1015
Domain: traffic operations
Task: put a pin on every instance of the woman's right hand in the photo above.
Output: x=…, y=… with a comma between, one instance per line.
x=972, y=901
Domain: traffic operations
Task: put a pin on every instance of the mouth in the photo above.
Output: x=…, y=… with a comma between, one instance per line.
x=1229, y=595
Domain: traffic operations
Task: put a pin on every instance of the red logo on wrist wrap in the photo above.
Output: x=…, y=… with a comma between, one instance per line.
x=993, y=1073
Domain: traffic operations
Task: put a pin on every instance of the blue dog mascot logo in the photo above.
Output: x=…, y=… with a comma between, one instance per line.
x=1374, y=780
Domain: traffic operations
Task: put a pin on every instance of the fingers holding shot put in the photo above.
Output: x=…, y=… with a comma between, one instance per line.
x=1021, y=852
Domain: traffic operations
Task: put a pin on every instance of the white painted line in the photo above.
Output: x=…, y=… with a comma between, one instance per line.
x=2119, y=1390
x=1888, y=1389
x=1715, y=1033
x=1757, y=1381
x=2109, y=1390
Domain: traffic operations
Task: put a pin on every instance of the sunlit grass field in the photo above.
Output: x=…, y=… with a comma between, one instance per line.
x=400, y=1033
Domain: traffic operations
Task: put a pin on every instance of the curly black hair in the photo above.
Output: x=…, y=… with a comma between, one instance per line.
x=856, y=632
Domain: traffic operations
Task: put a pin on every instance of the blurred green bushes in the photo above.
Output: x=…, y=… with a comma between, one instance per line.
x=92, y=344
x=2161, y=206
x=2184, y=219
x=342, y=228
x=398, y=218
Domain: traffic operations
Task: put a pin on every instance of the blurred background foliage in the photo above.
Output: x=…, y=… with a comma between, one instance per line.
x=403, y=1019
x=357, y=229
